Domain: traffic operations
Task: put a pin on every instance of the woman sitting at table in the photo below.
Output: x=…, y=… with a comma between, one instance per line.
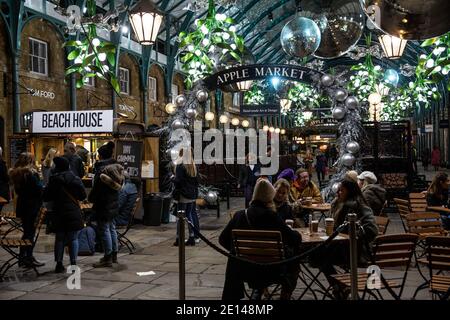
x=349, y=200
x=259, y=216
x=284, y=208
x=437, y=196
x=65, y=189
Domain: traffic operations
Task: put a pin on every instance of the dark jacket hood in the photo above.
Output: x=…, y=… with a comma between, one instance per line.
x=112, y=176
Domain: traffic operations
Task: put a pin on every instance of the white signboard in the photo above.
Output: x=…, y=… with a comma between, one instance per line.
x=73, y=121
x=428, y=128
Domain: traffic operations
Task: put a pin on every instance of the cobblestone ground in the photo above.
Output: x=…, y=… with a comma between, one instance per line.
x=205, y=268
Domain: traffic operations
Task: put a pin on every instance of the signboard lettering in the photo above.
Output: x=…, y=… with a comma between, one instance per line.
x=129, y=155
x=260, y=109
x=73, y=121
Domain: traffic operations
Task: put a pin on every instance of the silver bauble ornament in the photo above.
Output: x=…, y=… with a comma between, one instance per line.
x=211, y=197
x=340, y=95
x=335, y=187
x=341, y=23
x=190, y=113
x=180, y=100
x=348, y=159
x=351, y=102
x=352, y=147
x=300, y=37
x=177, y=124
x=338, y=113
x=202, y=95
x=327, y=80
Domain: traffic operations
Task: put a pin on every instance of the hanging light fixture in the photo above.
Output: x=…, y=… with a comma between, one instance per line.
x=235, y=121
x=209, y=116
x=307, y=114
x=393, y=47
x=146, y=18
x=223, y=119
x=271, y=129
x=283, y=131
x=266, y=128
x=171, y=108
x=285, y=104
x=244, y=85
x=245, y=123
x=277, y=130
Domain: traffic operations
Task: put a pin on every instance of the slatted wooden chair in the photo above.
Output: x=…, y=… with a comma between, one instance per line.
x=259, y=246
x=122, y=230
x=9, y=244
x=382, y=224
x=403, y=210
x=438, y=255
x=389, y=251
x=417, y=202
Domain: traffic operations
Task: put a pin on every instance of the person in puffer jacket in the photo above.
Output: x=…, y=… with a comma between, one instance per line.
x=374, y=194
x=108, y=180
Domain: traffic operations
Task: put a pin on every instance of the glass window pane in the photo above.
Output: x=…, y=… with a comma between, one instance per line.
x=35, y=65
x=42, y=66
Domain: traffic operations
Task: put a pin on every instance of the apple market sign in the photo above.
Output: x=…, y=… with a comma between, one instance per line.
x=73, y=121
x=257, y=72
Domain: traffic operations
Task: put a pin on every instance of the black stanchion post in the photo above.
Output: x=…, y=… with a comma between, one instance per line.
x=353, y=256
x=181, y=255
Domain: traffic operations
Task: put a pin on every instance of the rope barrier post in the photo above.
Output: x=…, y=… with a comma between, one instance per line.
x=181, y=255
x=353, y=256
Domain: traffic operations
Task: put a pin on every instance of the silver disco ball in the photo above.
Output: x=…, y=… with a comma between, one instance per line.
x=300, y=37
x=410, y=19
x=341, y=23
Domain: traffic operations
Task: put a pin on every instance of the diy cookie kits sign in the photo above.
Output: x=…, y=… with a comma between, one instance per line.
x=129, y=155
x=73, y=121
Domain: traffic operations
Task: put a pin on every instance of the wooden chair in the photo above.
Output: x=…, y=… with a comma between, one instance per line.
x=438, y=254
x=259, y=246
x=425, y=224
x=122, y=230
x=10, y=243
x=417, y=202
x=389, y=251
x=382, y=223
x=403, y=210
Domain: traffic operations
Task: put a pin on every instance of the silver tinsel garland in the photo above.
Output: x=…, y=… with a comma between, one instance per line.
x=350, y=129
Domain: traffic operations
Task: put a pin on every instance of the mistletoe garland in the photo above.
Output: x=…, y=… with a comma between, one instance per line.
x=91, y=56
x=203, y=49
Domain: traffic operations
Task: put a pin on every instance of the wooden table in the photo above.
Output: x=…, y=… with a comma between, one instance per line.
x=323, y=208
x=306, y=275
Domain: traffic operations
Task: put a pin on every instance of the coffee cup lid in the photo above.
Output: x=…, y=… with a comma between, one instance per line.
x=329, y=219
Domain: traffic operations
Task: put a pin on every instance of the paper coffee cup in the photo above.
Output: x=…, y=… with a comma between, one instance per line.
x=290, y=222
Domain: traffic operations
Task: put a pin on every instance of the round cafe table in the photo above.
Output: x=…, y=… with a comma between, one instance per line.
x=323, y=208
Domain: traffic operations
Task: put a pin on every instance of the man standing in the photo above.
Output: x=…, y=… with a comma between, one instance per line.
x=75, y=162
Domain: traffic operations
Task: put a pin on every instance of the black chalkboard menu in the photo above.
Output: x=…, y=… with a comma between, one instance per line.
x=17, y=145
x=129, y=155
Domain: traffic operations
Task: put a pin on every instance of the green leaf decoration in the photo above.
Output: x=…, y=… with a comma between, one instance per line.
x=79, y=83
x=73, y=54
x=429, y=42
x=70, y=43
x=111, y=57
x=115, y=84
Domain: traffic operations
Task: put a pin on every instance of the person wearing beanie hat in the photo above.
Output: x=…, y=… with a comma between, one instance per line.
x=373, y=193
x=260, y=215
x=106, y=151
x=64, y=190
x=287, y=174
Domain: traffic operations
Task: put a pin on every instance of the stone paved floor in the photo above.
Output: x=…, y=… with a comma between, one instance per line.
x=205, y=268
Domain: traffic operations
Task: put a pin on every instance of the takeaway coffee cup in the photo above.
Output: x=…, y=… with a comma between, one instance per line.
x=290, y=222
x=329, y=226
x=315, y=226
x=307, y=201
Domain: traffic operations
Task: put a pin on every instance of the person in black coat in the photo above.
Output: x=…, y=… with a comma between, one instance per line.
x=28, y=187
x=437, y=196
x=4, y=180
x=65, y=189
x=75, y=162
x=248, y=174
x=260, y=215
x=186, y=192
x=108, y=180
x=128, y=195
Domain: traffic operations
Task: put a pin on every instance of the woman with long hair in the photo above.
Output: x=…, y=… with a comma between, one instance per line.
x=186, y=191
x=437, y=195
x=349, y=200
x=261, y=215
x=48, y=165
x=28, y=187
